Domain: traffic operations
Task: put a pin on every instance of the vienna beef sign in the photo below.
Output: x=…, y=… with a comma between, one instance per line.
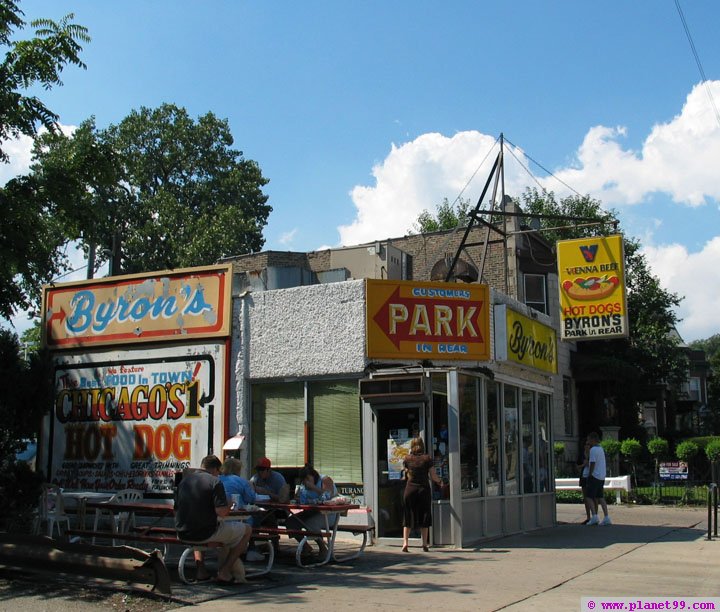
x=421, y=320
x=591, y=275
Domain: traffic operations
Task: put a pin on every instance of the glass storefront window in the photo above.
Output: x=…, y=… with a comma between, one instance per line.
x=468, y=400
x=511, y=439
x=492, y=441
x=528, y=441
x=440, y=449
x=543, y=442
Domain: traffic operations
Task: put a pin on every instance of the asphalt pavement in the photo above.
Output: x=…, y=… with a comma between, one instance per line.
x=649, y=551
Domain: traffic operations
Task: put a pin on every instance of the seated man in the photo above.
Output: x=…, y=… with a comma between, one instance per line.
x=200, y=503
x=269, y=482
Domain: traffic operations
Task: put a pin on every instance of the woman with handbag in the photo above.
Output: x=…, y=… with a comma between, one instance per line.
x=417, y=509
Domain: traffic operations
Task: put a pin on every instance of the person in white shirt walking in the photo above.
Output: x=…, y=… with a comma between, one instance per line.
x=596, y=481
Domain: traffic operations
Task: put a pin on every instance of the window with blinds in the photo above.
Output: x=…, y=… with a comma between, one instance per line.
x=334, y=411
x=278, y=423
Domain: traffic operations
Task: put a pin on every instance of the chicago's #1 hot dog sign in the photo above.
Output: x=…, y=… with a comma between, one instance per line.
x=591, y=274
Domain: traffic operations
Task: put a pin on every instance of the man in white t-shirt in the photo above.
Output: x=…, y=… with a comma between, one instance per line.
x=596, y=481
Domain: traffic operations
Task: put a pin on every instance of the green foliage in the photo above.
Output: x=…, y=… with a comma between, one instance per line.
x=159, y=190
x=659, y=448
x=631, y=449
x=685, y=451
x=446, y=217
x=31, y=241
x=20, y=488
x=712, y=450
x=711, y=346
x=559, y=449
x=38, y=61
x=23, y=400
x=611, y=448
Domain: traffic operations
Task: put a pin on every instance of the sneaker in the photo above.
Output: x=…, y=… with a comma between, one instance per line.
x=593, y=520
x=606, y=521
x=254, y=555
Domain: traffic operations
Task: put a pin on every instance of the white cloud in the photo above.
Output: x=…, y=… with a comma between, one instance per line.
x=417, y=175
x=287, y=238
x=19, y=150
x=694, y=276
x=679, y=158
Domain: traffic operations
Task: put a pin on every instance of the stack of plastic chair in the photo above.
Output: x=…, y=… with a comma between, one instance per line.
x=122, y=521
x=51, y=510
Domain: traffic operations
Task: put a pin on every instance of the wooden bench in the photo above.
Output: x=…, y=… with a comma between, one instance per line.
x=612, y=483
x=167, y=536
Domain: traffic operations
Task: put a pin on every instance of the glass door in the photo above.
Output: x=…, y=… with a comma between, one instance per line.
x=394, y=428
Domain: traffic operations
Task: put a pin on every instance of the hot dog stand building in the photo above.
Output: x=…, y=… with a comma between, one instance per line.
x=336, y=357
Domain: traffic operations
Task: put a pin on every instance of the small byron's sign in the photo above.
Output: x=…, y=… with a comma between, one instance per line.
x=171, y=305
x=524, y=340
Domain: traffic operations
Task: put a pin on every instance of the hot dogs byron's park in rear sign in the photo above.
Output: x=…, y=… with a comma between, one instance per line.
x=591, y=275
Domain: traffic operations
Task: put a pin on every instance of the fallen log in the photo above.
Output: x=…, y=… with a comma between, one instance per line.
x=109, y=562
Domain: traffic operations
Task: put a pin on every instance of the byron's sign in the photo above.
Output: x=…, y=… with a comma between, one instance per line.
x=420, y=320
x=524, y=340
x=177, y=305
x=592, y=288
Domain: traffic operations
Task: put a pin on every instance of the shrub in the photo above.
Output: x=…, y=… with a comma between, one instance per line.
x=611, y=448
x=559, y=449
x=631, y=449
x=685, y=451
x=712, y=450
x=19, y=492
x=659, y=448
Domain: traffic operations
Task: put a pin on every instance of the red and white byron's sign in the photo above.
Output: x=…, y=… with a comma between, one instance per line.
x=173, y=305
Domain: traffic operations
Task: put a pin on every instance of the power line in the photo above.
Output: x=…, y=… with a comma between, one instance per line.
x=539, y=165
x=697, y=60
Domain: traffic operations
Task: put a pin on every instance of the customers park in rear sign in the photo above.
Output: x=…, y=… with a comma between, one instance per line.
x=591, y=275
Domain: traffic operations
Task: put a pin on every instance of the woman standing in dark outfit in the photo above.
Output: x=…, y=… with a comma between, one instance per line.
x=417, y=511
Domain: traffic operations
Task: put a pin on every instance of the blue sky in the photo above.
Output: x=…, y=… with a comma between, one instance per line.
x=363, y=114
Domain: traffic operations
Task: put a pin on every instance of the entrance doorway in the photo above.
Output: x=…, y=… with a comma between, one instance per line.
x=395, y=427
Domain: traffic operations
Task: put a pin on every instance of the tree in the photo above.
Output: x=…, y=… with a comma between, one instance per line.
x=159, y=190
x=37, y=61
x=711, y=346
x=31, y=244
x=447, y=217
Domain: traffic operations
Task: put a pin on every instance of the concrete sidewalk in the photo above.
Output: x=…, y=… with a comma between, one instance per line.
x=649, y=551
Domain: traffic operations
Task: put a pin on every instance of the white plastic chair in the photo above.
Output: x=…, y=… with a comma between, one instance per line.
x=51, y=510
x=122, y=521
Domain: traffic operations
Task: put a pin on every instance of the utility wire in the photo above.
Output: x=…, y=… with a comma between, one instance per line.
x=697, y=60
x=539, y=165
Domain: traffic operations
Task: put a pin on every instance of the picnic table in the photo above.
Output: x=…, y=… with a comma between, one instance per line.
x=155, y=533
x=331, y=514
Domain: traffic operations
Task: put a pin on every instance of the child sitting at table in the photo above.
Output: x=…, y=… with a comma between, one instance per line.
x=314, y=488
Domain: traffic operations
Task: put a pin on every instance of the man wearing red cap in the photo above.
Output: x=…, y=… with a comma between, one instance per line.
x=269, y=482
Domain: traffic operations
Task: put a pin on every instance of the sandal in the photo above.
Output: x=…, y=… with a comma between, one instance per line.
x=425, y=548
x=405, y=549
